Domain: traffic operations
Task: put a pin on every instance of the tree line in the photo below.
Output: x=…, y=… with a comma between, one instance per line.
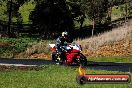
x=52, y=16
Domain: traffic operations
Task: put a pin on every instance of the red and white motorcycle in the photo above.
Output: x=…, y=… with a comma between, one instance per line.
x=72, y=53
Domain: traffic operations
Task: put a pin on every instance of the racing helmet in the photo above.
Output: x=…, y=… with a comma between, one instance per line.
x=64, y=33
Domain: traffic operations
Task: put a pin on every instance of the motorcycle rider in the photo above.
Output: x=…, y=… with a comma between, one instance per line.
x=60, y=42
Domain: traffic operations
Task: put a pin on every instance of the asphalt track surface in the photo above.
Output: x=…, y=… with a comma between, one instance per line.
x=110, y=66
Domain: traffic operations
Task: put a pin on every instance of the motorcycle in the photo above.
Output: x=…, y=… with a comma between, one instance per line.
x=71, y=52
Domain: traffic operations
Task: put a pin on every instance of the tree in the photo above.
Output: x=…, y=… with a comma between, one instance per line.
x=76, y=12
x=130, y=8
x=96, y=11
x=51, y=16
x=126, y=10
x=12, y=9
x=109, y=12
x=10, y=14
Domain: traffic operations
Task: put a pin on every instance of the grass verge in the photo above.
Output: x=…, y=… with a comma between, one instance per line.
x=118, y=59
x=9, y=47
x=52, y=76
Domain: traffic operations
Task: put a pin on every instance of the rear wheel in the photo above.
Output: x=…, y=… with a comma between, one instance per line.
x=56, y=58
x=54, y=54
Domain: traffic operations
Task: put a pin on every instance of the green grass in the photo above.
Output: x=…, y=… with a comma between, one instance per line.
x=52, y=76
x=16, y=45
x=123, y=59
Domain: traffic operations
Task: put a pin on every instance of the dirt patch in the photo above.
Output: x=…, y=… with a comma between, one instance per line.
x=44, y=56
x=23, y=68
x=41, y=56
x=3, y=45
x=120, y=48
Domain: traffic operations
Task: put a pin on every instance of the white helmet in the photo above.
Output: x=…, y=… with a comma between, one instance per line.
x=65, y=33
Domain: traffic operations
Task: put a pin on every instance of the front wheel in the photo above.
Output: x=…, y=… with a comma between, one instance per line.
x=81, y=59
x=83, y=62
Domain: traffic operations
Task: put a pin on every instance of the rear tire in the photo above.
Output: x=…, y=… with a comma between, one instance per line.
x=54, y=56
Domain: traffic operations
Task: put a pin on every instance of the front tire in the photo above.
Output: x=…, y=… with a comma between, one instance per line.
x=82, y=60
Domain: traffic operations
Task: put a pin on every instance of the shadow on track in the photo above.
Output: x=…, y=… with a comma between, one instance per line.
x=26, y=61
x=110, y=66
